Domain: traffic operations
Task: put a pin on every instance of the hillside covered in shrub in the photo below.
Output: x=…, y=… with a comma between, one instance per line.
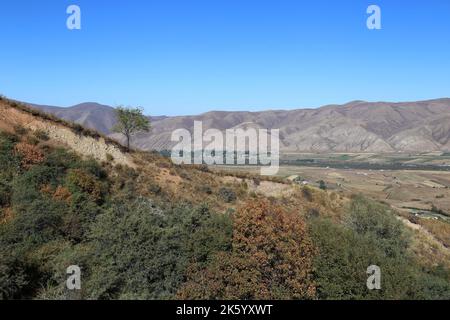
x=159, y=231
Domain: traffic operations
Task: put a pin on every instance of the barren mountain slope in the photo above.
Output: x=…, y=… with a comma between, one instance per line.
x=354, y=127
x=90, y=115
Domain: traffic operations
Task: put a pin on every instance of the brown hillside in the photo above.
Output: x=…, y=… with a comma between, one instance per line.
x=354, y=127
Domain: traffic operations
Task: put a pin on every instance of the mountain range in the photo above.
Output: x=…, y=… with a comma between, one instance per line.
x=357, y=126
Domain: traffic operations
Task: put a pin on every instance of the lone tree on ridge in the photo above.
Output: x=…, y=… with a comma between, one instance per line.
x=130, y=121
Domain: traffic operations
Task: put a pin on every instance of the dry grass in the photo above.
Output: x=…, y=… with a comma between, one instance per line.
x=6, y=214
x=428, y=251
x=440, y=229
x=75, y=127
x=400, y=189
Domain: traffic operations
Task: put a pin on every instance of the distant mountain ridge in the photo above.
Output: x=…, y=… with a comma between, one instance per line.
x=357, y=126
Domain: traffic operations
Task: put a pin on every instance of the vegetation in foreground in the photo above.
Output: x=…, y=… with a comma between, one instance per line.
x=59, y=210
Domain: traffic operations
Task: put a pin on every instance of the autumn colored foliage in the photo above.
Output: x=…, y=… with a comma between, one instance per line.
x=86, y=182
x=30, y=154
x=271, y=258
x=60, y=193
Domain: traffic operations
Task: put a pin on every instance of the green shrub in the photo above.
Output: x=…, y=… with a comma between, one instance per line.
x=154, y=188
x=109, y=157
x=372, y=235
x=26, y=188
x=32, y=140
x=61, y=159
x=5, y=194
x=205, y=189
x=92, y=167
x=434, y=284
x=343, y=259
x=79, y=180
x=150, y=262
x=41, y=135
x=322, y=185
x=13, y=278
x=37, y=222
x=9, y=161
x=379, y=223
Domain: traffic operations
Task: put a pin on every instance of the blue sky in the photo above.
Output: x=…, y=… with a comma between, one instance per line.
x=191, y=56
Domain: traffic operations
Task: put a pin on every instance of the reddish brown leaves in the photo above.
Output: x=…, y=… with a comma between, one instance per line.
x=271, y=259
x=29, y=153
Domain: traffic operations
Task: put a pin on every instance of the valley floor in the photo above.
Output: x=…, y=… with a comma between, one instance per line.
x=421, y=197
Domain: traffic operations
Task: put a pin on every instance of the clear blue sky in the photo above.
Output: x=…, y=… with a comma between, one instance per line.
x=190, y=56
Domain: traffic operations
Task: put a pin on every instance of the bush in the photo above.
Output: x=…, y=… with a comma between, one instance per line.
x=82, y=211
x=312, y=213
x=371, y=236
x=262, y=263
x=150, y=262
x=13, y=278
x=205, y=189
x=45, y=212
x=79, y=180
x=154, y=188
x=433, y=284
x=5, y=194
x=322, y=185
x=227, y=195
x=37, y=222
x=41, y=135
x=26, y=187
x=109, y=157
x=32, y=140
x=202, y=168
x=344, y=256
x=9, y=161
x=377, y=222
x=61, y=160
x=20, y=130
x=29, y=154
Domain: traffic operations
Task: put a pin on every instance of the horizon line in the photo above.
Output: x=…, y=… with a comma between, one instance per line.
x=282, y=109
